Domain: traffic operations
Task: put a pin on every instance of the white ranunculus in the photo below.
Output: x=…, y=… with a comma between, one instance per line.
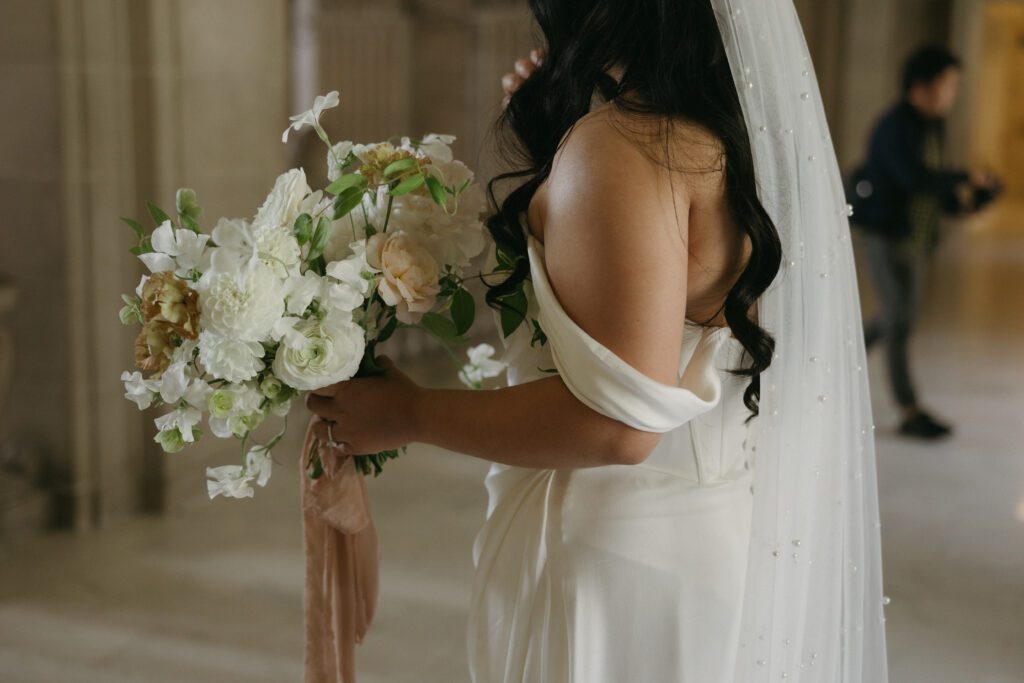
x=336, y=156
x=311, y=117
x=481, y=366
x=139, y=389
x=230, y=481
x=409, y=274
x=242, y=306
x=229, y=358
x=283, y=205
x=278, y=249
x=331, y=353
x=183, y=420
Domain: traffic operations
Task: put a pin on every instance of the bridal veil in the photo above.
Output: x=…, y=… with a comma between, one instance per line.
x=813, y=606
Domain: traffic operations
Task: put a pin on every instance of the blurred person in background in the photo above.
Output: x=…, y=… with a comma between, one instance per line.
x=899, y=197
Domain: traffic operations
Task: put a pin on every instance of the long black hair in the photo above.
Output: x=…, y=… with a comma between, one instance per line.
x=674, y=69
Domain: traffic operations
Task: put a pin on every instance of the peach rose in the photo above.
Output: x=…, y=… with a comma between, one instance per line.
x=409, y=274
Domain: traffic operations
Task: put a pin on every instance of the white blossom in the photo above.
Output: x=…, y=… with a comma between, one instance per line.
x=481, y=366
x=229, y=358
x=230, y=481
x=312, y=116
x=139, y=389
x=243, y=307
x=331, y=353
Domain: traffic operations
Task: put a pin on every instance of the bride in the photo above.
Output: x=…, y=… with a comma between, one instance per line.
x=682, y=486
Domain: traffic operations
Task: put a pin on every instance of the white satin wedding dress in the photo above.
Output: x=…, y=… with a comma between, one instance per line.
x=619, y=574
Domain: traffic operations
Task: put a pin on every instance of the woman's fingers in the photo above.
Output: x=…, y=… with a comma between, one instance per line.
x=525, y=68
x=325, y=391
x=331, y=435
x=511, y=83
x=321, y=405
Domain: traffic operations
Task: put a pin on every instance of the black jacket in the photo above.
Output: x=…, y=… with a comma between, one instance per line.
x=895, y=172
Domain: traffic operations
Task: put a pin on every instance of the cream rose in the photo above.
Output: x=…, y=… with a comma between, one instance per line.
x=409, y=274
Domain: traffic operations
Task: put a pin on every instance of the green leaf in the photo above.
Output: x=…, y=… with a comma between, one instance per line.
x=538, y=334
x=513, y=311
x=136, y=227
x=158, y=214
x=398, y=167
x=190, y=223
x=345, y=202
x=411, y=183
x=439, y=326
x=348, y=181
x=303, y=229
x=324, y=228
x=463, y=311
x=437, y=191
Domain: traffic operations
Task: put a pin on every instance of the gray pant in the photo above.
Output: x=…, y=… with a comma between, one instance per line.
x=898, y=271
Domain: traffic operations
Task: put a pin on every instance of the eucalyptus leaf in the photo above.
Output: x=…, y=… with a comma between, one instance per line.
x=463, y=311
x=411, y=183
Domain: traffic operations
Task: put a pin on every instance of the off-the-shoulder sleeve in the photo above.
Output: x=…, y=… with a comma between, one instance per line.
x=611, y=386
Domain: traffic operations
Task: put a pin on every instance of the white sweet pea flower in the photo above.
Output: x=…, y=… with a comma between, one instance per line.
x=230, y=358
x=173, y=383
x=139, y=389
x=186, y=248
x=436, y=147
x=259, y=464
x=300, y=290
x=234, y=409
x=230, y=481
x=331, y=353
x=312, y=116
x=481, y=366
x=236, y=246
x=183, y=420
x=197, y=393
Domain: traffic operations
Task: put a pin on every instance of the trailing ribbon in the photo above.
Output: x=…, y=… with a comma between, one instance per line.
x=342, y=563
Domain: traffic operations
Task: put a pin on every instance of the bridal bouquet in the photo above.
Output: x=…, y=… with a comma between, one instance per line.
x=239, y=322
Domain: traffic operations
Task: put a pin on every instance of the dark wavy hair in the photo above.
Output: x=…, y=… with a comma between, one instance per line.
x=674, y=69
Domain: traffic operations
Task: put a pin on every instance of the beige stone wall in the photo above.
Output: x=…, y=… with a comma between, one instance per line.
x=32, y=249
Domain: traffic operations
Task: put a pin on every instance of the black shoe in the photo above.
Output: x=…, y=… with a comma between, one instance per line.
x=924, y=426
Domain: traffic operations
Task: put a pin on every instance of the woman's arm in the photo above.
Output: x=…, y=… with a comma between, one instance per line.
x=616, y=256
x=538, y=424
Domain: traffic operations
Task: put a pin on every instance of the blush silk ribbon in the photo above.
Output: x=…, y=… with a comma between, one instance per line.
x=342, y=564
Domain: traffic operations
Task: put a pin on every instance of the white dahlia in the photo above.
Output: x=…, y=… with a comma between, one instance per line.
x=243, y=306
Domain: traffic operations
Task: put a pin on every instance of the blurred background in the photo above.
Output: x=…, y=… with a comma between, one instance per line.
x=114, y=566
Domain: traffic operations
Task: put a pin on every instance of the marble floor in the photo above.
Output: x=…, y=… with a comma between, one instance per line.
x=212, y=592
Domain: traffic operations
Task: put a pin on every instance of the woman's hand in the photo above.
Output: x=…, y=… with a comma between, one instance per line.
x=367, y=415
x=524, y=68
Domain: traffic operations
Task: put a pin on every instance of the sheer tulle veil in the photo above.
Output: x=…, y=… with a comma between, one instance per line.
x=813, y=602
